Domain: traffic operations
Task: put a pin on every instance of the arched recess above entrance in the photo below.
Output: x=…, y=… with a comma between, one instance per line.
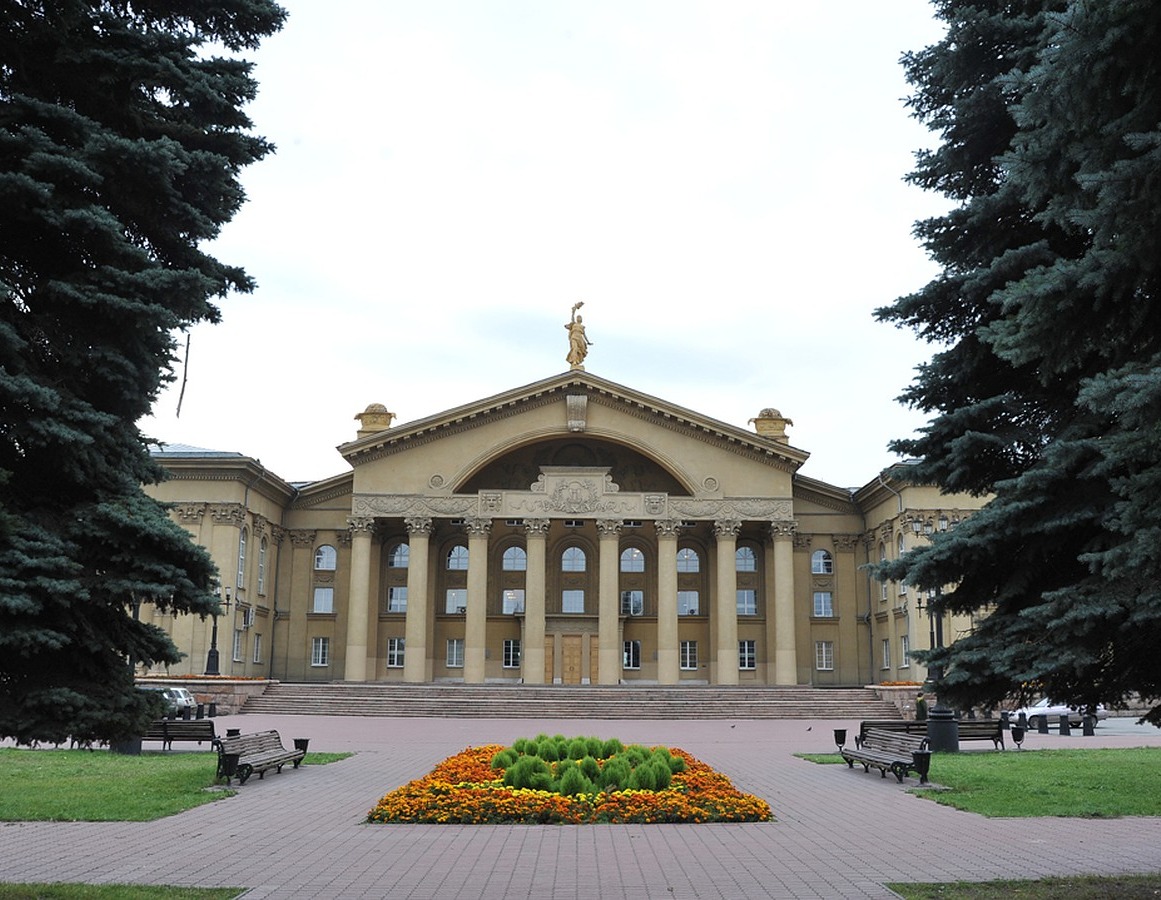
x=631, y=466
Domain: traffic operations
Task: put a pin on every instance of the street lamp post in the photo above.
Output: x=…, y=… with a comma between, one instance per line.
x=942, y=727
x=212, y=657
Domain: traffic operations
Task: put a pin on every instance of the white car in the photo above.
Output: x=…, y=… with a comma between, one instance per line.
x=1050, y=709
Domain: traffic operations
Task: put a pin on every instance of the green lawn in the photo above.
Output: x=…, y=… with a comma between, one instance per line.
x=1096, y=783
x=98, y=786
x=112, y=892
x=1113, y=887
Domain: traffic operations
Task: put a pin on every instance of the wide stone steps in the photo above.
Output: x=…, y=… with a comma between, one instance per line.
x=571, y=702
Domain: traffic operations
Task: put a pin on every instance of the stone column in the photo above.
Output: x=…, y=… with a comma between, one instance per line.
x=608, y=603
x=668, y=664
x=415, y=649
x=359, y=599
x=785, y=639
x=726, y=601
x=476, y=624
x=532, y=653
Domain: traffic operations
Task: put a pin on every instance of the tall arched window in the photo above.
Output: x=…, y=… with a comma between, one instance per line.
x=515, y=559
x=326, y=558
x=262, y=547
x=688, y=560
x=745, y=560
x=457, y=558
x=241, y=580
x=573, y=560
x=399, y=556
x=632, y=560
x=821, y=563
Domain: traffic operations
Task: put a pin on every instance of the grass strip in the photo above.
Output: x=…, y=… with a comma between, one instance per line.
x=1087, y=887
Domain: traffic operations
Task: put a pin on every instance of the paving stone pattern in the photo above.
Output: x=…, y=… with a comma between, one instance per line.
x=840, y=833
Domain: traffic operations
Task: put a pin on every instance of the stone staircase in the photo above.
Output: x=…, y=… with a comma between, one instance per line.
x=511, y=701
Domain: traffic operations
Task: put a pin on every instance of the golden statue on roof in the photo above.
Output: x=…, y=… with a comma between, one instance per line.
x=578, y=342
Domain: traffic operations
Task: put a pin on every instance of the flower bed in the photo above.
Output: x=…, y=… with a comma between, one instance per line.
x=469, y=789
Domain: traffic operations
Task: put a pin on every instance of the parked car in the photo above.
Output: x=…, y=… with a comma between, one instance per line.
x=177, y=699
x=1052, y=710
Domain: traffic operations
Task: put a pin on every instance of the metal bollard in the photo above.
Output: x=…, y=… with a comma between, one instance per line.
x=201, y=711
x=1088, y=726
x=1064, y=725
x=213, y=709
x=1042, y=724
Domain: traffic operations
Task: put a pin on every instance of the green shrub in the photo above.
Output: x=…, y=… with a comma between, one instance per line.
x=591, y=768
x=594, y=746
x=578, y=748
x=636, y=755
x=609, y=748
x=615, y=774
x=519, y=744
x=546, y=749
x=529, y=772
x=573, y=781
x=505, y=758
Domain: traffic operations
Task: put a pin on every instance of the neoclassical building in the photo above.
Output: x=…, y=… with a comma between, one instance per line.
x=572, y=531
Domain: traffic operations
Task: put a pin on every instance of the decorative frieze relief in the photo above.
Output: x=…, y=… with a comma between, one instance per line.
x=845, y=543
x=802, y=541
x=190, y=512
x=301, y=538
x=228, y=513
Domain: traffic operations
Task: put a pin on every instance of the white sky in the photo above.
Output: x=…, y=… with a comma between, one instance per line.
x=719, y=182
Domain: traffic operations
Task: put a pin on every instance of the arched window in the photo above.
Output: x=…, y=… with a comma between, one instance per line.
x=241, y=580
x=515, y=559
x=745, y=560
x=900, y=546
x=262, y=547
x=688, y=560
x=457, y=558
x=632, y=560
x=573, y=560
x=325, y=558
x=821, y=563
x=399, y=556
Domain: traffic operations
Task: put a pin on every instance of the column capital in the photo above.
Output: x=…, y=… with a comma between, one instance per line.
x=667, y=528
x=418, y=525
x=301, y=538
x=727, y=528
x=537, y=527
x=478, y=527
x=360, y=524
x=783, y=529
x=608, y=527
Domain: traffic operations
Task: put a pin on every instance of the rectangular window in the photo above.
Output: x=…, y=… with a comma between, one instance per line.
x=320, y=651
x=395, y=653
x=572, y=601
x=455, y=653
x=688, y=654
x=886, y=653
x=632, y=603
x=257, y=647
x=824, y=656
x=823, y=604
x=747, y=603
x=513, y=600
x=747, y=655
x=904, y=652
x=687, y=603
x=239, y=639
x=512, y=653
x=324, y=600
x=631, y=655
x=397, y=599
x=457, y=601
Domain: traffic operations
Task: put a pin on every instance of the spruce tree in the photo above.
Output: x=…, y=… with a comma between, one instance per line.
x=122, y=134
x=1045, y=391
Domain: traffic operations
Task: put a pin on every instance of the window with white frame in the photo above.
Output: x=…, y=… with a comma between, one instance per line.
x=632, y=560
x=632, y=603
x=573, y=560
x=631, y=655
x=239, y=645
x=455, y=653
x=399, y=556
x=886, y=653
x=687, y=603
x=243, y=535
x=456, y=601
x=883, y=589
x=320, y=651
x=324, y=600
x=395, y=647
x=257, y=647
x=512, y=601
x=747, y=654
x=687, y=654
x=821, y=563
x=824, y=656
x=511, y=653
x=326, y=558
x=823, y=604
x=263, y=546
x=745, y=560
x=688, y=560
x=747, y=603
x=904, y=652
x=572, y=601
x=397, y=599
x=515, y=559
x=457, y=558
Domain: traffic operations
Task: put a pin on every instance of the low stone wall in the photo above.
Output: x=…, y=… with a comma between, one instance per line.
x=229, y=694
x=902, y=697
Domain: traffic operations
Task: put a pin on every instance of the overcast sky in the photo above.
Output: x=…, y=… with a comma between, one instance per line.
x=719, y=182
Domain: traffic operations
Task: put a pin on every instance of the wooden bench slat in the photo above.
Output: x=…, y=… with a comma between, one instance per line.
x=887, y=751
x=257, y=752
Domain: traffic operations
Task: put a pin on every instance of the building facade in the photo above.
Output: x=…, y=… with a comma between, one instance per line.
x=572, y=531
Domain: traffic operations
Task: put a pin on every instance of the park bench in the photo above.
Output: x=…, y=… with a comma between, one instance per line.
x=969, y=729
x=255, y=752
x=169, y=730
x=888, y=751
x=901, y=726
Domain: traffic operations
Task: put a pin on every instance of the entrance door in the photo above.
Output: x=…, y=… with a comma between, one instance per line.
x=570, y=659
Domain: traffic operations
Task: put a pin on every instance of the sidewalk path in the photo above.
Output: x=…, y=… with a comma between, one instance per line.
x=839, y=833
